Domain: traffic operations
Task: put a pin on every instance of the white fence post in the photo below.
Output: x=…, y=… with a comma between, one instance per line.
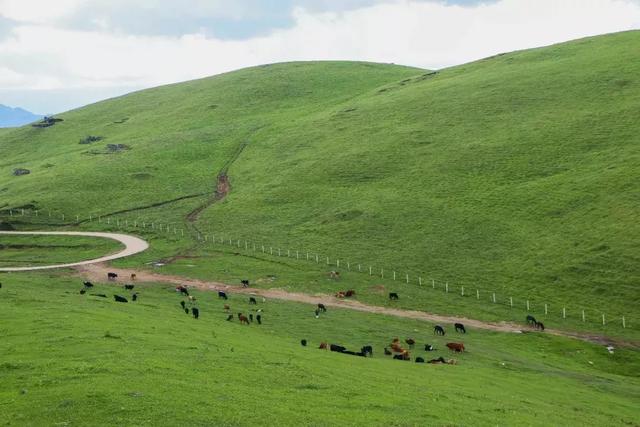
x=583, y=316
x=382, y=273
x=446, y=287
x=564, y=313
x=546, y=310
x=394, y=275
x=407, y=276
x=433, y=283
x=359, y=267
x=624, y=325
x=370, y=271
x=494, y=297
x=511, y=301
x=477, y=294
x=603, y=321
x=338, y=263
x=419, y=280
x=527, y=305
x=317, y=259
x=462, y=290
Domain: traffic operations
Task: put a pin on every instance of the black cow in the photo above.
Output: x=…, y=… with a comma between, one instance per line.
x=182, y=303
x=428, y=347
x=531, y=320
x=438, y=330
x=367, y=350
x=460, y=328
x=129, y=287
x=400, y=357
x=118, y=298
x=322, y=308
x=419, y=360
x=303, y=342
x=229, y=317
x=259, y=319
x=250, y=317
x=317, y=312
x=83, y=291
x=222, y=295
x=186, y=310
x=393, y=296
x=338, y=348
x=252, y=300
x=540, y=325
x=195, y=312
x=134, y=297
x=245, y=283
x=182, y=289
x=88, y=285
x=112, y=276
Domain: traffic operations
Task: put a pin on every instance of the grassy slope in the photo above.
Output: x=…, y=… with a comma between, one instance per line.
x=99, y=362
x=515, y=173
x=18, y=251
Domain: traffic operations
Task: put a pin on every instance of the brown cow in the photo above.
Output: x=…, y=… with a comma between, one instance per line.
x=133, y=276
x=324, y=346
x=458, y=347
x=243, y=319
x=340, y=294
x=226, y=307
x=410, y=341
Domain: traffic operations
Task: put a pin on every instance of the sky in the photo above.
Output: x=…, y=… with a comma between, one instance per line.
x=62, y=54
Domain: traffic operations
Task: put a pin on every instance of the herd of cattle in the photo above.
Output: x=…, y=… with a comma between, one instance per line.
x=395, y=348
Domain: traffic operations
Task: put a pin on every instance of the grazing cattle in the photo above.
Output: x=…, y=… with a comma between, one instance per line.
x=338, y=348
x=134, y=297
x=367, y=350
x=118, y=298
x=317, y=312
x=460, y=328
x=83, y=291
x=393, y=296
x=133, y=276
x=396, y=348
x=340, y=294
x=350, y=293
x=531, y=320
x=243, y=319
x=438, y=360
x=245, y=283
x=182, y=289
x=195, y=312
x=88, y=285
x=252, y=300
x=182, y=303
x=222, y=295
x=419, y=360
x=191, y=298
x=226, y=307
x=324, y=346
x=438, y=330
x=129, y=287
x=111, y=276
x=186, y=310
x=229, y=317
x=303, y=342
x=540, y=326
x=250, y=317
x=387, y=352
x=428, y=347
x=334, y=275
x=458, y=347
x=403, y=356
x=410, y=341
x=259, y=319
x=322, y=308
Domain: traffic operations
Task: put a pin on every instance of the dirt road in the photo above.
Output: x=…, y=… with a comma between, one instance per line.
x=133, y=245
x=98, y=272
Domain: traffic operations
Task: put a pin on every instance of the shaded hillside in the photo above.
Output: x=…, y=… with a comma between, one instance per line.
x=519, y=170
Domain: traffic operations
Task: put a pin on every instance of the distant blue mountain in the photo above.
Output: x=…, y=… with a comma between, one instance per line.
x=12, y=117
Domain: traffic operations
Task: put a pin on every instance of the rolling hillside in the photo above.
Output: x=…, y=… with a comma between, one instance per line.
x=519, y=171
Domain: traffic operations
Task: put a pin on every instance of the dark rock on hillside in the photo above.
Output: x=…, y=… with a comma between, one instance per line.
x=46, y=122
x=114, y=148
x=21, y=171
x=90, y=138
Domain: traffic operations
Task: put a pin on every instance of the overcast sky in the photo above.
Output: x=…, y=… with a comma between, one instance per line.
x=60, y=54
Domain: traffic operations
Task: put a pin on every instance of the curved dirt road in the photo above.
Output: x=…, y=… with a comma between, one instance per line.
x=133, y=245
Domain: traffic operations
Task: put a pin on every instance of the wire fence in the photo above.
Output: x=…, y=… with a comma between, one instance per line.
x=178, y=230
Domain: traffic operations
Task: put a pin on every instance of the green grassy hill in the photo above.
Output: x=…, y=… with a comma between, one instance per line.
x=517, y=173
x=71, y=359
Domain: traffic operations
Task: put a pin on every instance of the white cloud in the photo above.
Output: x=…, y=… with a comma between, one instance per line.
x=425, y=34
